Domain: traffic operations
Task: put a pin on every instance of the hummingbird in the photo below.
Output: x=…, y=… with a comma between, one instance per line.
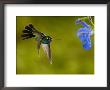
x=42, y=40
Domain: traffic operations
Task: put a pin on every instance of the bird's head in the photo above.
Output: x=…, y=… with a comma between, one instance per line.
x=46, y=40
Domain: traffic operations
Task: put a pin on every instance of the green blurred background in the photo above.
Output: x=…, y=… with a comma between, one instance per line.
x=68, y=55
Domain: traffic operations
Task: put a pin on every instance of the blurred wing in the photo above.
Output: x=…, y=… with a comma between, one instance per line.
x=46, y=48
x=30, y=32
x=27, y=33
x=38, y=44
x=36, y=31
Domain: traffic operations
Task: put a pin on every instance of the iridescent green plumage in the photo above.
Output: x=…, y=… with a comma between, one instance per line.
x=46, y=40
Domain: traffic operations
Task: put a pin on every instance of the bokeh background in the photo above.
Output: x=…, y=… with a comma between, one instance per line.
x=68, y=55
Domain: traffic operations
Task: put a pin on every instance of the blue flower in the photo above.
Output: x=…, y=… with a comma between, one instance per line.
x=84, y=34
x=84, y=24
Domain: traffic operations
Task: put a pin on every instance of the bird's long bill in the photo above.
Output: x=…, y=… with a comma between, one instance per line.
x=46, y=48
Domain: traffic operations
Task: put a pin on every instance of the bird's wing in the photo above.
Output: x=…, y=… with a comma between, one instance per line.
x=27, y=33
x=38, y=43
x=47, y=50
x=39, y=34
x=30, y=32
